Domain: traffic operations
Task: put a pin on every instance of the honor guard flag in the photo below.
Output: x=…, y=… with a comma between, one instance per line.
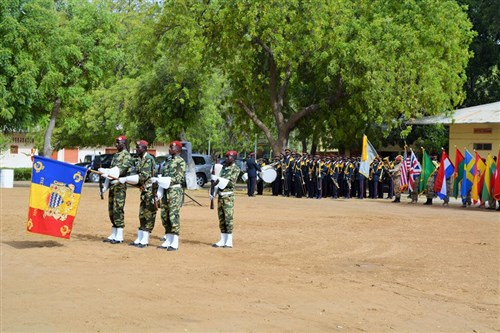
x=477, y=186
x=405, y=167
x=415, y=171
x=459, y=172
x=54, y=196
x=496, y=181
x=468, y=176
x=428, y=170
x=367, y=156
x=489, y=176
x=445, y=171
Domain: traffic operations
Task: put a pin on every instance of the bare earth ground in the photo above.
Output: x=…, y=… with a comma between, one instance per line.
x=298, y=265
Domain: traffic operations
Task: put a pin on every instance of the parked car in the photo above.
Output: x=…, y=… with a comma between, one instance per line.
x=202, y=165
x=94, y=162
x=240, y=163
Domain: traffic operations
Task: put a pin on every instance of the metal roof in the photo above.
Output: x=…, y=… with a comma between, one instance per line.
x=486, y=113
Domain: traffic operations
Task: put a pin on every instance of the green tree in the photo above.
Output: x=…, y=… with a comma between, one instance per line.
x=362, y=63
x=483, y=71
x=62, y=50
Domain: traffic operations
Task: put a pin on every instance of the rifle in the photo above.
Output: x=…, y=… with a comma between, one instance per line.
x=100, y=178
x=212, y=189
x=154, y=188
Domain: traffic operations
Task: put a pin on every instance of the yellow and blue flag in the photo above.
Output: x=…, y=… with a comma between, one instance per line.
x=469, y=171
x=54, y=196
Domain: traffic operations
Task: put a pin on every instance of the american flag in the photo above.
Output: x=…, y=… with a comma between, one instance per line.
x=405, y=166
x=415, y=170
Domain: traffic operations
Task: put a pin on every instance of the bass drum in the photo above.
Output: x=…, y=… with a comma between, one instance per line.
x=268, y=175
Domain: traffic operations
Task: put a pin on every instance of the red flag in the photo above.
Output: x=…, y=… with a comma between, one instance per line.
x=496, y=184
x=404, y=172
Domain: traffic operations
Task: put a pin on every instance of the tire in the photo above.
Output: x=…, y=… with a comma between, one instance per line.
x=94, y=177
x=200, y=179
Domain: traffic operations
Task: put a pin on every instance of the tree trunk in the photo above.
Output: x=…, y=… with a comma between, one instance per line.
x=47, y=147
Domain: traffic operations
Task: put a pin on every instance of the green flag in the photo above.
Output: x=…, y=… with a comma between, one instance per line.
x=428, y=169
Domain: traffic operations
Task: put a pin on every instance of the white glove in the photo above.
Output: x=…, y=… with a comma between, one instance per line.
x=122, y=180
x=114, y=182
x=154, y=180
x=104, y=172
x=214, y=178
x=159, y=192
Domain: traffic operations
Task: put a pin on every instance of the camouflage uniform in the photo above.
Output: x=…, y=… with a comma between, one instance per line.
x=225, y=203
x=396, y=180
x=117, y=191
x=174, y=195
x=147, y=209
x=430, y=186
x=414, y=193
x=449, y=185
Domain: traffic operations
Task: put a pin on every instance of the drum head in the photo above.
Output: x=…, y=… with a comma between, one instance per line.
x=269, y=175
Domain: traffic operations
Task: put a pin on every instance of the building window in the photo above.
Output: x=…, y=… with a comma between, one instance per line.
x=14, y=149
x=483, y=146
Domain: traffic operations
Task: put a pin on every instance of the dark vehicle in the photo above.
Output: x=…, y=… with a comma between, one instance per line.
x=95, y=162
x=241, y=163
x=202, y=165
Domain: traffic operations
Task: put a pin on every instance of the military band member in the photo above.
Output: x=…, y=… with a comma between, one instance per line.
x=277, y=183
x=260, y=181
x=252, y=169
x=298, y=180
x=225, y=202
x=387, y=179
x=288, y=166
x=348, y=173
x=118, y=191
x=175, y=168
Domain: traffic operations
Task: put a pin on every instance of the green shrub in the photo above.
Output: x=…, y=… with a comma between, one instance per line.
x=21, y=173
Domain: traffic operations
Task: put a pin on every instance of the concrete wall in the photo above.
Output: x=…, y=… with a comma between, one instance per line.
x=18, y=153
x=466, y=135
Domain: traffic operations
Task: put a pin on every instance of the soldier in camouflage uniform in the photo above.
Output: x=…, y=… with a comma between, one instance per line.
x=414, y=193
x=175, y=168
x=145, y=165
x=396, y=178
x=225, y=203
x=118, y=191
x=429, y=189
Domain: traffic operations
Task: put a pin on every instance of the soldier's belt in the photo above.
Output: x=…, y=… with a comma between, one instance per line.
x=175, y=186
x=225, y=194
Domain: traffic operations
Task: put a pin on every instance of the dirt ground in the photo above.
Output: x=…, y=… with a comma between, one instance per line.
x=298, y=265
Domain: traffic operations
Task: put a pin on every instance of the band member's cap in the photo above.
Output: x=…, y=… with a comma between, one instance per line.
x=287, y=149
x=121, y=138
x=232, y=153
x=178, y=144
x=142, y=143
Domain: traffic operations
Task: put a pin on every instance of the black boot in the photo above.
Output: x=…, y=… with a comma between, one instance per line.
x=428, y=202
x=397, y=199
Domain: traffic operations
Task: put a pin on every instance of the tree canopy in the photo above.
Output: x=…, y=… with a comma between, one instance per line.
x=200, y=71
